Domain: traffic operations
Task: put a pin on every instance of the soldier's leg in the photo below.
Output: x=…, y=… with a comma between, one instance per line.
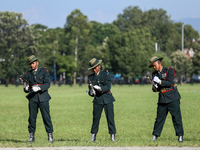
x=174, y=109
x=109, y=111
x=45, y=111
x=33, y=111
x=97, y=110
x=160, y=119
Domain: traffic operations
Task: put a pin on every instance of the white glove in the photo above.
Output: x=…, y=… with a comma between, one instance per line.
x=155, y=88
x=92, y=92
x=27, y=88
x=157, y=80
x=36, y=88
x=155, y=85
x=97, y=87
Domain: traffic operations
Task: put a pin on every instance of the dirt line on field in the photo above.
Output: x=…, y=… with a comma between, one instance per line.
x=102, y=148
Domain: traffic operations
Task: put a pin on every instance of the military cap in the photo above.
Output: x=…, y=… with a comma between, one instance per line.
x=153, y=59
x=31, y=59
x=93, y=63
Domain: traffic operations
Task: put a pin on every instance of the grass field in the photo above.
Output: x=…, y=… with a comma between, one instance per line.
x=71, y=113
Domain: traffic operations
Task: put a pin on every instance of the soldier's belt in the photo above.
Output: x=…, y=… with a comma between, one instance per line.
x=104, y=92
x=37, y=84
x=163, y=90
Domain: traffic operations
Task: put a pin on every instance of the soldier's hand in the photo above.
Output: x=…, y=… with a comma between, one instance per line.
x=36, y=88
x=26, y=86
x=92, y=92
x=98, y=88
x=157, y=80
x=155, y=86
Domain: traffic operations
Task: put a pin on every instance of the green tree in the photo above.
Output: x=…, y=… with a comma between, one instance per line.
x=196, y=63
x=100, y=31
x=132, y=17
x=156, y=20
x=129, y=51
x=181, y=63
x=77, y=36
x=196, y=58
x=17, y=42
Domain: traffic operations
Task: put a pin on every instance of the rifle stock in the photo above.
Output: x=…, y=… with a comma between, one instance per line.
x=150, y=79
x=91, y=86
x=23, y=79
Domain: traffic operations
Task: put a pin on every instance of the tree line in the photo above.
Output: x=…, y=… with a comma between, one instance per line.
x=125, y=45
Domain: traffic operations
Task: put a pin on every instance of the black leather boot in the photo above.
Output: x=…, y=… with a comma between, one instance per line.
x=112, y=137
x=32, y=138
x=93, y=138
x=154, y=138
x=50, y=137
x=180, y=139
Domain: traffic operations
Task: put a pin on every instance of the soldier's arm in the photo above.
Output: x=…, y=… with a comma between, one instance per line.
x=107, y=84
x=170, y=79
x=46, y=81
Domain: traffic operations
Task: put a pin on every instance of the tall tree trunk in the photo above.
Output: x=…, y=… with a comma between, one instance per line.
x=76, y=52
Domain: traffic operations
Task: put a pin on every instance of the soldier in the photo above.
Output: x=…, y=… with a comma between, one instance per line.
x=99, y=88
x=169, y=98
x=39, y=81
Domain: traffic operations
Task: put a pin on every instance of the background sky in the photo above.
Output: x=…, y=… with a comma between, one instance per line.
x=53, y=13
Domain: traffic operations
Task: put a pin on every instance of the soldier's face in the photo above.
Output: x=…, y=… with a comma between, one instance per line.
x=96, y=69
x=34, y=65
x=157, y=66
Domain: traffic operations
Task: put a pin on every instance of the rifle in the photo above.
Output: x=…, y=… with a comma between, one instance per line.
x=23, y=79
x=91, y=86
x=150, y=79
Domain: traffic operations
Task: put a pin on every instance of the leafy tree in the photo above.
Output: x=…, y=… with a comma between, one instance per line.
x=17, y=42
x=196, y=63
x=160, y=25
x=77, y=36
x=131, y=18
x=181, y=63
x=129, y=51
x=100, y=31
x=196, y=58
x=156, y=20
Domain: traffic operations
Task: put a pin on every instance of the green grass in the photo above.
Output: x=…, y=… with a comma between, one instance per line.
x=71, y=113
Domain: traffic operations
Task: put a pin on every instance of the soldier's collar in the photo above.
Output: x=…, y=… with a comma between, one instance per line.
x=161, y=70
x=98, y=72
x=35, y=70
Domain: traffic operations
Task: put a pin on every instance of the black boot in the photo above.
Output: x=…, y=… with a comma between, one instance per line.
x=180, y=139
x=112, y=137
x=93, y=138
x=154, y=138
x=50, y=137
x=32, y=138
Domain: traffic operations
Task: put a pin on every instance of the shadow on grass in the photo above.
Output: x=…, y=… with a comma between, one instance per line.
x=12, y=140
x=69, y=140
